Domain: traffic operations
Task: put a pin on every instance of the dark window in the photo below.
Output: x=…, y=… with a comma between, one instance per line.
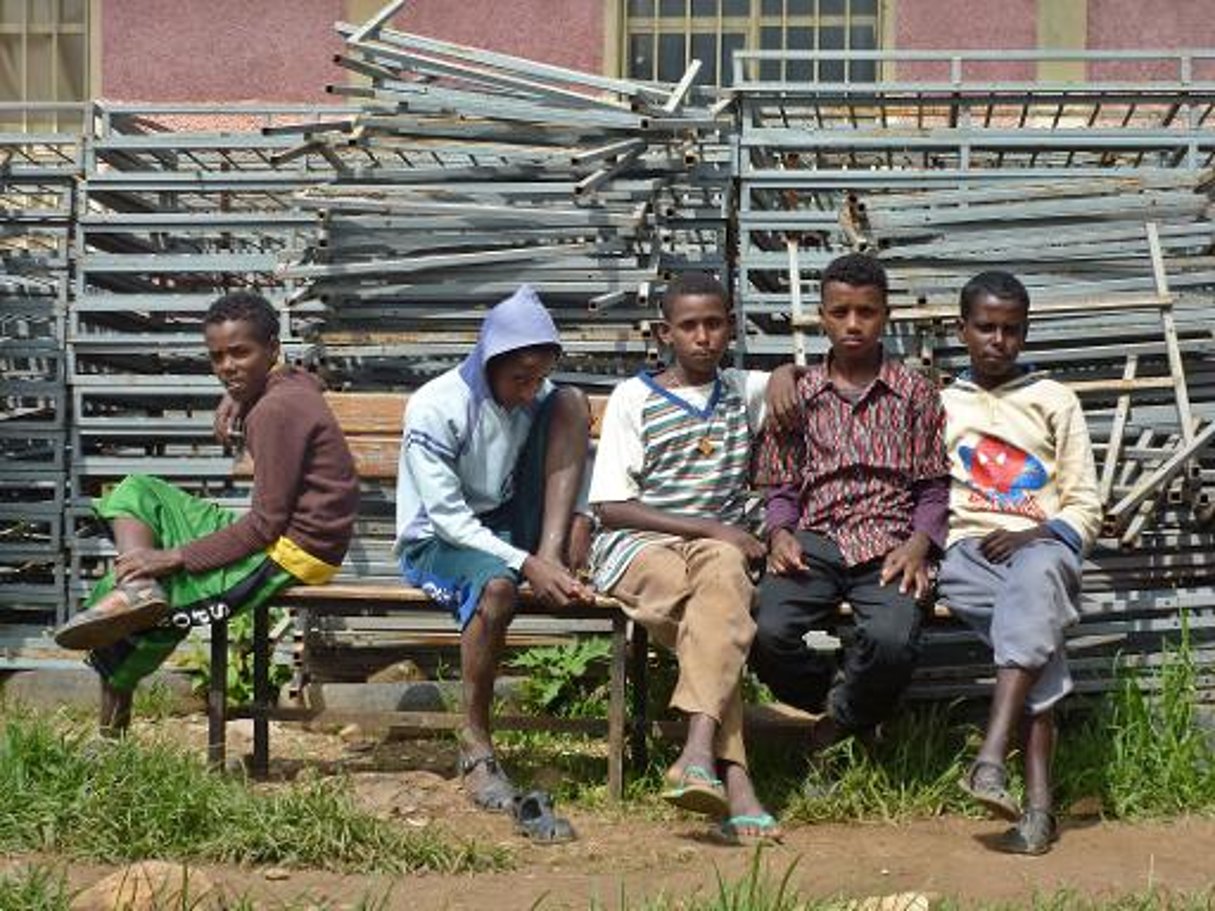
x=662, y=36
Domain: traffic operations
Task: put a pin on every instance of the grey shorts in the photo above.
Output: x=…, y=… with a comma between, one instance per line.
x=1019, y=608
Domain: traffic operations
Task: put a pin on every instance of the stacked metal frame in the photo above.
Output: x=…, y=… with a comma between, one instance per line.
x=178, y=204
x=1098, y=195
x=38, y=170
x=468, y=172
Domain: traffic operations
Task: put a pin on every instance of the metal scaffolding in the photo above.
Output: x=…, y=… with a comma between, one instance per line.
x=37, y=197
x=384, y=228
x=1098, y=196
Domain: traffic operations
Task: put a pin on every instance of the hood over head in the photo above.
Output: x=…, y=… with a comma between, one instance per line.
x=520, y=321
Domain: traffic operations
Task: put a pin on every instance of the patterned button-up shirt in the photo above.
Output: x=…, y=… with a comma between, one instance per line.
x=864, y=470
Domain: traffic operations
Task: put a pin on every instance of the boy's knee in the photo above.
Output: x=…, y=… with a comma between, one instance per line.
x=772, y=632
x=571, y=408
x=497, y=604
x=892, y=644
x=728, y=563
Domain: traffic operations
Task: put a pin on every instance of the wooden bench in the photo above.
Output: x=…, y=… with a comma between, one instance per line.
x=372, y=423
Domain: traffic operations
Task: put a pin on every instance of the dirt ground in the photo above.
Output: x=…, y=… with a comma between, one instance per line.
x=640, y=857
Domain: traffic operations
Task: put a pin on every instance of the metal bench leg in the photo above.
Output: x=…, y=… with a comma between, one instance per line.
x=639, y=661
x=217, y=696
x=261, y=691
x=616, y=711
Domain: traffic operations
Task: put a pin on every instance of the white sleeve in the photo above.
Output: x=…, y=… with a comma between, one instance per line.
x=755, y=391
x=429, y=453
x=620, y=455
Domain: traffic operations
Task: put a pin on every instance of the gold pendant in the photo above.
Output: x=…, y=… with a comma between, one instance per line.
x=706, y=446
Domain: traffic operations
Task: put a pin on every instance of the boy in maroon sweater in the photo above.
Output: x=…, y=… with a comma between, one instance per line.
x=183, y=561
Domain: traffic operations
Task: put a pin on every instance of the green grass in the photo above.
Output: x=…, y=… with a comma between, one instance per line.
x=127, y=801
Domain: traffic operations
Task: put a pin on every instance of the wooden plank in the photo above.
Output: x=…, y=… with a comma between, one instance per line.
x=369, y=412
x=373, y=423
x=1121, y=413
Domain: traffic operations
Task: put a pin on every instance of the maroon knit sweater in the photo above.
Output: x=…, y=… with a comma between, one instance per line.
x=304, y=481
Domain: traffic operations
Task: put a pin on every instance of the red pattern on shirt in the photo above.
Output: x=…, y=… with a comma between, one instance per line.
x=855, y=463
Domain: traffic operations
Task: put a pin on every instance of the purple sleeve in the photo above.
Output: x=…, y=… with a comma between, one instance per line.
x=782, y=507
x=930, y=504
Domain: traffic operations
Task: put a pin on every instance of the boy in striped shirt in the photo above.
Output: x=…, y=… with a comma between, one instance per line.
x=670, y=490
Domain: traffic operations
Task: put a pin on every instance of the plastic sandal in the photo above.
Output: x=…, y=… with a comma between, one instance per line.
x=696, y=790
x=1034, y=833
x=495, y=793
x=130, y=607
x=535, y=819
x=987, y=783
x=761, y=829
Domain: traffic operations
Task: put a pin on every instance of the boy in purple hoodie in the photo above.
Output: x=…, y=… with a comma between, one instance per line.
x=492, y=462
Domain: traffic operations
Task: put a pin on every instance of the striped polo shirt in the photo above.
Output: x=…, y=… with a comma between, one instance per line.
x=695, y=462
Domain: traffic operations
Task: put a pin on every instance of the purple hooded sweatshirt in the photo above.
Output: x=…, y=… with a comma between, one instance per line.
x=460, y=446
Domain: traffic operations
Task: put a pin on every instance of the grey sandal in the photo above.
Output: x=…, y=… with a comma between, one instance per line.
x=1034, y=833
x=535, y=819
x=495, y=792
x=987, y=783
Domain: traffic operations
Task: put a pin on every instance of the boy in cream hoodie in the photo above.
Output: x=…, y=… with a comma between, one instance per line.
x=1023, y=509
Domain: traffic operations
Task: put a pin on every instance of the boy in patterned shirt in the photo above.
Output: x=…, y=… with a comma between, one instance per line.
x=857, y=498
x=670, y=487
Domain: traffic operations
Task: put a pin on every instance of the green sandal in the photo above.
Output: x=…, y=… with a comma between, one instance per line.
x=696, y=790
x=763, y=830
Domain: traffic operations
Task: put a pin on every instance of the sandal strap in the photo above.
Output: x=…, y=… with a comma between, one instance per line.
x=489, y=760
x=998, y=770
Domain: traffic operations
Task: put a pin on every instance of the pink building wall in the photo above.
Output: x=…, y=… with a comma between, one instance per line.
x=281, y=50
x=1121, y=24
x=219, y=50
x=563, y=32
x=966, y=25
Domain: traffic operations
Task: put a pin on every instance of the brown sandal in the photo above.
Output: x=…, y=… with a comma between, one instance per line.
x=130, y=607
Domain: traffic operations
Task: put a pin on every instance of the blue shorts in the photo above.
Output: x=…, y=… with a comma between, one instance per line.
x=455, y=576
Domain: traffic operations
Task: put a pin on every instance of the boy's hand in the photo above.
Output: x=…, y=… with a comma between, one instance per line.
x=147, y=562
x=784, y=403
x=553, y=583
x=227, y=414
x=753, y=548
x=999, y=546
x=785, y=555
x=908, y=563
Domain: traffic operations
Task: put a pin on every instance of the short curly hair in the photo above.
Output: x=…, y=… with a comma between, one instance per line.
x=248, y=307
x=994, y=283
x=689, y=284
x=858, y=270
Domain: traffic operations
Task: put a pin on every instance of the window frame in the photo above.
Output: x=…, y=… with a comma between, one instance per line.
x=42, y=22
x=752, y=25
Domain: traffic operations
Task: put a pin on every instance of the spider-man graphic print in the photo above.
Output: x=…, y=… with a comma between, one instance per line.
x=1003, y=477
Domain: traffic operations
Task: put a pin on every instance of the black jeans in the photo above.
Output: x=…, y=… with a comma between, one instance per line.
x=877, y=663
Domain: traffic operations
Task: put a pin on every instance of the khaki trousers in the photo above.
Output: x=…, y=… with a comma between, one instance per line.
x=694, y=597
